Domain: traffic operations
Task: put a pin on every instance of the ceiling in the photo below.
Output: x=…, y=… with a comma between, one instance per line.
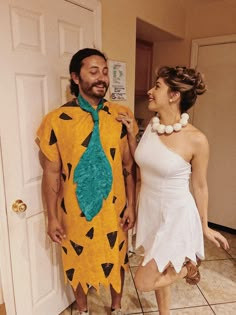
x=152, y=33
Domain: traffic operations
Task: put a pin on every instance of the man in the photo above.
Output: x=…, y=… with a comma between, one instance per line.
x=88, y=182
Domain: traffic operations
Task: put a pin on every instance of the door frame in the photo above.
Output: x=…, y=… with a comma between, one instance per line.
x=5, y=256
x=196, y=45
x=207, y=41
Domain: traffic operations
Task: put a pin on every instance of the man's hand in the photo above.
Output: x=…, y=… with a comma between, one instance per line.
x=55, y=231
x=128, y=220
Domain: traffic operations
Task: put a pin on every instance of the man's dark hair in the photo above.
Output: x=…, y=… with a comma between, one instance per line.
x=76, y=64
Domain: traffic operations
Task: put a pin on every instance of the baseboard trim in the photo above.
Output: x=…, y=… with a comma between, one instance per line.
x=222, y=228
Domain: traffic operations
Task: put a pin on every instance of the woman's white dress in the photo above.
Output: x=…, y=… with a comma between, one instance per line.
x=168, y=225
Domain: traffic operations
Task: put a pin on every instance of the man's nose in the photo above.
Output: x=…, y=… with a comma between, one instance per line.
x=102, y=76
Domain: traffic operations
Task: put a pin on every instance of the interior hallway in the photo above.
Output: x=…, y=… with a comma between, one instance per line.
x=215, y=293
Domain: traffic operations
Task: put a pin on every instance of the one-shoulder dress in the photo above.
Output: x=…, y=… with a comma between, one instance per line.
x=168, y=224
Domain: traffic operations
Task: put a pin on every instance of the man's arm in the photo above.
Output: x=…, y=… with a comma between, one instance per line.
x=51, y=184
x=129, y=172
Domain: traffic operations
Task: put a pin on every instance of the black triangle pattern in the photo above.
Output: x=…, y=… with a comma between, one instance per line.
x=70, y=273
x=70, y=104
x=112, y=238
x=64, y=116
x=53, y=138
x=86, y=140
x=126, y=259
x=64, y=249
x=123, y=131
x=78, y=248
x=122, y=212
x=63, y=176
x=82, y=214
x=121, y=245
x=106, y=109
x=113, y=152
x=107, y=268
x=63, y=205
x=114, y=199
x=90, y=233
x=69, y=169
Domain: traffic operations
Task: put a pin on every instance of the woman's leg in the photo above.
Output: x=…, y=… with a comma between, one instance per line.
x=163, y=300
x=148, y=278
x=81, y=299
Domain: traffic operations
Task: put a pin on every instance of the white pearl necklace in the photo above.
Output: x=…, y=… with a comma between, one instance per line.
x=160, y=128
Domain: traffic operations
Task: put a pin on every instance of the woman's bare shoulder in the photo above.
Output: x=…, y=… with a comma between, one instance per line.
x=198, y=138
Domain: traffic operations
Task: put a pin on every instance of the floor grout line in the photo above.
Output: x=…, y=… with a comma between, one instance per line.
x=136, y=290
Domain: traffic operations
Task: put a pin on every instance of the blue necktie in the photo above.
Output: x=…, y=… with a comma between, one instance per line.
x=93, y=173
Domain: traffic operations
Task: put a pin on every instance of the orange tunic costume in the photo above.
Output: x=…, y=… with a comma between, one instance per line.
x=94, y=252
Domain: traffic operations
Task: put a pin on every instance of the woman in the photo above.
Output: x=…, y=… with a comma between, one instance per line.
x=171, y=222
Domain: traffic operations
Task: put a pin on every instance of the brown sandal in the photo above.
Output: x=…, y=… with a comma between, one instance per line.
x=193, y=274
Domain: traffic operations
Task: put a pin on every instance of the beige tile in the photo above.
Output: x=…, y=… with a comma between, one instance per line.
x=182, y=295
x=218, y=281
x=185, y=295
x=101, y=304
x=232, y=243
x=130, y=302
x=136, y=258
x=202, y=310
x=226, y=309
x=67, y=311
x=212, y=252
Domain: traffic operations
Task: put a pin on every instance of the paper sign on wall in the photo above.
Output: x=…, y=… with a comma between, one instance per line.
x=117, y=74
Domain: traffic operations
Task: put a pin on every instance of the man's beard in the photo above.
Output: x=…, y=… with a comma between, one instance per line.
x=88, y=88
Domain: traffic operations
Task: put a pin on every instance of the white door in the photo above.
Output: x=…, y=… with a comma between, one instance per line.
x=38, y=39
x=215, y=115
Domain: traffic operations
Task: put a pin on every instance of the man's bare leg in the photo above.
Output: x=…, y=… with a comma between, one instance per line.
x=81, y=299
x=116, y=297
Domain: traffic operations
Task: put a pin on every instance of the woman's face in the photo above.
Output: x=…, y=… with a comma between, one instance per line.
x=158, y=96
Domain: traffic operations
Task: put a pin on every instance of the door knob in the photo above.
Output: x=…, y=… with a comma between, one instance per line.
x=19, y=206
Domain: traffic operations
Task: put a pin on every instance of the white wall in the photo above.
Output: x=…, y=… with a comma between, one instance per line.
x=2, y=209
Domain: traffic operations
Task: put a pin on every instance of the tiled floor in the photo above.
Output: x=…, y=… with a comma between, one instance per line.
x=215, y=293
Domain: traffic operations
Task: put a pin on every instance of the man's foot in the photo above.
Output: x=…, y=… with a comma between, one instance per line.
x=117, y=311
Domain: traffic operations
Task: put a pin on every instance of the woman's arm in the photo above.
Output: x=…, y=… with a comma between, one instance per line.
x=200, y=189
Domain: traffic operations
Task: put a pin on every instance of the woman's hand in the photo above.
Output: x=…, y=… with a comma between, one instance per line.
x=127, y=121
x=217, y=238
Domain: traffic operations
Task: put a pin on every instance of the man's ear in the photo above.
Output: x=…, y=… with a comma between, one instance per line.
x=75, y=77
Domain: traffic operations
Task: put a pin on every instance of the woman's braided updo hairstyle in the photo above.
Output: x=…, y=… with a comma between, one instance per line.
x=188, y=82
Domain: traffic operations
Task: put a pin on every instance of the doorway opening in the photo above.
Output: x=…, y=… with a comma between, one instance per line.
x=149, y=40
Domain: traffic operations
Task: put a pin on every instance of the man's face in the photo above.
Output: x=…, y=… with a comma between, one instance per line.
x=93, y=80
